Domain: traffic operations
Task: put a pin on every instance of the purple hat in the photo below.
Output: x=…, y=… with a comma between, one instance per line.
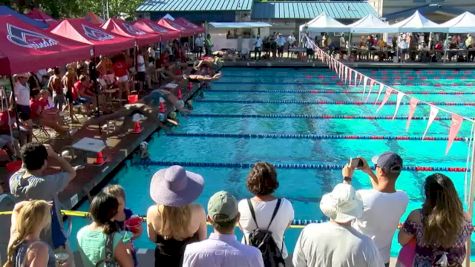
x=175, y=187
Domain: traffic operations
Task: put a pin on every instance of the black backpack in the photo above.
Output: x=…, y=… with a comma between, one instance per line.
x=263, y=240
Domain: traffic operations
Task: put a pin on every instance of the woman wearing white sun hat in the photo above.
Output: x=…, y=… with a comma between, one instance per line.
x=336, y=243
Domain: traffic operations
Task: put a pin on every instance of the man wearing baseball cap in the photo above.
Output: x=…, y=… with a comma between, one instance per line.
x=383, y=204
x=222, y=249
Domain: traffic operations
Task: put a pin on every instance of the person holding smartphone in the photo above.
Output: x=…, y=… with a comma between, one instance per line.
x=383, y=204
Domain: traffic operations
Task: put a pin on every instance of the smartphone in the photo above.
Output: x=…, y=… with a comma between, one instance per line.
x=356, y=163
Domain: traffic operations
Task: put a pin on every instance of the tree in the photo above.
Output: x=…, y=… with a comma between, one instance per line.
x=77, y=8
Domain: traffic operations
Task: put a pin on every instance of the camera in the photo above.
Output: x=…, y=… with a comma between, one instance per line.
x=356, y=163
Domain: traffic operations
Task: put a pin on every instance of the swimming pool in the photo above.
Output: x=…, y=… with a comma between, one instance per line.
x=199, y=138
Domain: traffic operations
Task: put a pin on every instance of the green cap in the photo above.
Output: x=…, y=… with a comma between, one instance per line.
x=222, y=207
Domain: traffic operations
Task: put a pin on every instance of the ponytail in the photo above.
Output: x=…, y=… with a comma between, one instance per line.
x=110, y=227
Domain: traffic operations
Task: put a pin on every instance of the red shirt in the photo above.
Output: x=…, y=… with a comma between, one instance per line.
x=120, y=68
x=44, y=102
x=77, y=89
x=4, y=120
x=36, y=108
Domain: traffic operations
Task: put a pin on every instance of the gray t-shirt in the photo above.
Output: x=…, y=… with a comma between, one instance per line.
x=7, y=202
x=45, y=188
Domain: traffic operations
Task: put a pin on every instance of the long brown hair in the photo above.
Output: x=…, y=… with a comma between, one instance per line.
x=32, y=214
x=174, y=221
x=442, y=211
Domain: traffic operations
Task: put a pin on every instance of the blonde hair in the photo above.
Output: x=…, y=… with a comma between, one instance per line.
x=32, y=214
x=174, y=221
x=443, y=212
x=115, y=190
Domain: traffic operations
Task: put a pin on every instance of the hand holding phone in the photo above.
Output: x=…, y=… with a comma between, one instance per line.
x=356, y=163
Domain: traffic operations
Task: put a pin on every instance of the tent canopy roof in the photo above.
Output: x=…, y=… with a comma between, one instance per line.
x=152, y=27
x=41, y=16
x=416, y=23
x=174, y=26
x=120, y=27
x=4, y=10
x=27, y=48
x=463, y=23
x=238, y=25
x=371, y=24
x=104, y=42
x=185, y=23
x=324, y=23
x=94, y=19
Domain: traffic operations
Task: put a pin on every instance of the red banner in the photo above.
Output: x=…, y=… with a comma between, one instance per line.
x=454, y=129
x=389, y=91
x=412, y=107
x=365, y=82
x=433, y=113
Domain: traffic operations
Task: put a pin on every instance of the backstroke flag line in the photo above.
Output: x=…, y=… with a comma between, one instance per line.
x=400, y=95
x=412, y=107
x=454, y=129
x=433, y=113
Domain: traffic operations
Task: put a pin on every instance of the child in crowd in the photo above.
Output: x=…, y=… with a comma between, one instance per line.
x=123, y=214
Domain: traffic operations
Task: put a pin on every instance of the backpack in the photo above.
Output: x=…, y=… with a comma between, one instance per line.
x=263, y=240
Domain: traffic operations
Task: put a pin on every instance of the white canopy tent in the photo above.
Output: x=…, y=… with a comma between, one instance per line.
x=416, y=23
x=324, y=23
x=463, y=23
x=371, y=24
x=240, y=25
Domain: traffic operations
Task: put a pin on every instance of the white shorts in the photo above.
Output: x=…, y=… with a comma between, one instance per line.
x=124, y=78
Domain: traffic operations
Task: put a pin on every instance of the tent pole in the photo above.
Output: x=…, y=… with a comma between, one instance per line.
x=470, y=200
x=17, y=120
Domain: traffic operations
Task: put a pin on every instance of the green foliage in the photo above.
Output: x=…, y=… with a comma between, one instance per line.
x=77, y=8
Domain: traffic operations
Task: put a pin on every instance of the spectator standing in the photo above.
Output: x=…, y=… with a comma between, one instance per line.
x=222, y=249
x=175, y=221
x=262, y=183
x=199, y=43
x=121, y=73
x=257, y=47
x=280, y=45
x=124, y=214
x=140, y=70
x=22, y=97
x=291, y=40
x=68, y=81
x=32, y=182
x=54, y=86
x=383, y=204
x=101, y=242
x=26, y=248
x=440, y=228
x=336, y=243
x=208, y=43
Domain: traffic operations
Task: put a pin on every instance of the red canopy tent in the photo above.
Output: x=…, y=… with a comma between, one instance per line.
x=93, y=18
x=185, y=23
x=149, y=26
x=24, y=48
x=103, y=41
x=172, y=25
x=39, y=15
x=126, y=29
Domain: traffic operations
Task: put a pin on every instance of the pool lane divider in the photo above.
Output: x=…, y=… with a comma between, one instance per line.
x=342, y=83
x=244, y=165
x=316, y=117
x=315, y=136
x=332, y=92
x=323, y=102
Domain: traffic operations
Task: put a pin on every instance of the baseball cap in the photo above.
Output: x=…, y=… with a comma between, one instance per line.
x=222, y=207
x=390, y=162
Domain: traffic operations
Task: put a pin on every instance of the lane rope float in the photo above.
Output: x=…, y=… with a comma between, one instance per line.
x=324, y=102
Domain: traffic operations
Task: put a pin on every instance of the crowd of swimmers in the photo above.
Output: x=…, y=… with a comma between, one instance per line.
x=359, y=231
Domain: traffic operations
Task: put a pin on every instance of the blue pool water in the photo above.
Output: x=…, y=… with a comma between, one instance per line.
x=303, y=187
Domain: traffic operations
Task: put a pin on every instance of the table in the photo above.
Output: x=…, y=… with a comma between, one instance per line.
x=91, y=145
